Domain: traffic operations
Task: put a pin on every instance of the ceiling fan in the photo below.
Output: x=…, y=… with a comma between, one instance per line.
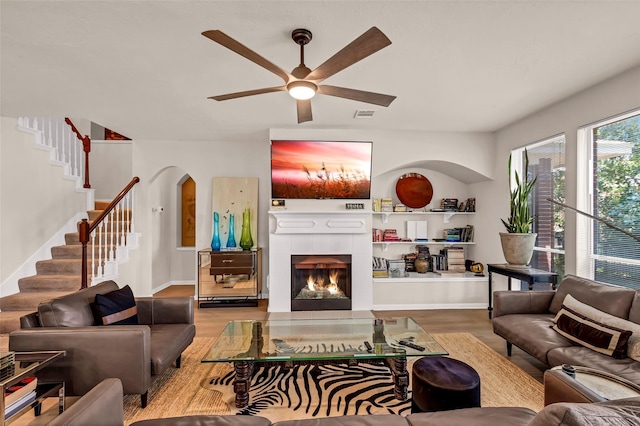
x=303, y=83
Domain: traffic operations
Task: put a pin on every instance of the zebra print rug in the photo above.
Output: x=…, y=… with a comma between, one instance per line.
x=316, y=391
x=304, y=392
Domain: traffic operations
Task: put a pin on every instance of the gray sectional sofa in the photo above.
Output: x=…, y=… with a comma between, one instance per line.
x=525, y=319
x=102, y=406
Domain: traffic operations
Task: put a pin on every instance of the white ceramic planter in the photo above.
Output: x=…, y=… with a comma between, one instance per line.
x=517, y=248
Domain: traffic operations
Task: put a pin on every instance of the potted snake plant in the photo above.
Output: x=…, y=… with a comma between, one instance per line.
x=518, y=241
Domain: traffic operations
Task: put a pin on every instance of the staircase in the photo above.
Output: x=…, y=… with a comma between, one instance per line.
x=54, y=277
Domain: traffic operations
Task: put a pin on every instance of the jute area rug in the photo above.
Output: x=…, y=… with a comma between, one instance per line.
x=305, y=392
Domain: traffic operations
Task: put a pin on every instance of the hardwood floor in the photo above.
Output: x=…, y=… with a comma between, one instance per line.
x=211, y=321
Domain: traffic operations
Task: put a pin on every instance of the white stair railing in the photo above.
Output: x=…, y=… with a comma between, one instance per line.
x=111, y=235
x=57, y=136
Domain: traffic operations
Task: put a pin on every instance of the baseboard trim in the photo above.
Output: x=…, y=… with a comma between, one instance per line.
x=410, y=307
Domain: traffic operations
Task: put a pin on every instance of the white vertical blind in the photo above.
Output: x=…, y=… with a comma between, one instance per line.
x=615, y=178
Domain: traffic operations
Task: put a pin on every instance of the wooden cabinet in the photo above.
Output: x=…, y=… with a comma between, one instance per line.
x=226, y=277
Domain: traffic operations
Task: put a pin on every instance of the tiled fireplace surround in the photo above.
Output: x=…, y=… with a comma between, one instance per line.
x=327, y=232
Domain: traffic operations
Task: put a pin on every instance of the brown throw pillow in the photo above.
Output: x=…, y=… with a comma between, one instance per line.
x=594, y=335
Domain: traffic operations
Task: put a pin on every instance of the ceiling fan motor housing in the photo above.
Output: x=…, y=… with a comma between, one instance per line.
x=301, y=36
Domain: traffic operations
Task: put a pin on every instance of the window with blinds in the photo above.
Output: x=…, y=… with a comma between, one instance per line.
x=613, y=255
x=547, y=163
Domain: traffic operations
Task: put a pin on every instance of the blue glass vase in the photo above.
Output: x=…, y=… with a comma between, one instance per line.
x=231, y=241
x=215, y=240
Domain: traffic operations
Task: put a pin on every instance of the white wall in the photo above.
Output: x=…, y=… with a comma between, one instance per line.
x=612, y=97
x=171, y=264
x=110, y=167
x=31, y=188
x=204, y=160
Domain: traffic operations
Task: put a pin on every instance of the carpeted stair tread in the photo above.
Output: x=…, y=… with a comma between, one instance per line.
x=44, y=283
x=61, y=274
x=60, y=266
x=74, y=251
x=10, y=320
x=28, y=301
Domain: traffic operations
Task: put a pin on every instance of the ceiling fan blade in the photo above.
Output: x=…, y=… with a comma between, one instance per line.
x=356, y=95
x=368, y=43
x=304, y=111
x=231, y=44
x=247, y=93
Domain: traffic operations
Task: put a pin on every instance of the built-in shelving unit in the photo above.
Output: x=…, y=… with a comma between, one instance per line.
x=445, y=215
x=393, y=248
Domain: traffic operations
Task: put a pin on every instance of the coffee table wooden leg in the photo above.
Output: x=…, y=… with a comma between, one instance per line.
x=398, y=367
x=242, y=382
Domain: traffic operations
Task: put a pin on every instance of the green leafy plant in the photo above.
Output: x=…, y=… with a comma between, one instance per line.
x=520, y=219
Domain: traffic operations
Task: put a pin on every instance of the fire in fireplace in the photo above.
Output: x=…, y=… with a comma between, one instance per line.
x=320, y=282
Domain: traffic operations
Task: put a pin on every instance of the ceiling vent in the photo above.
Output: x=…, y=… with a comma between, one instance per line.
x=364, y=113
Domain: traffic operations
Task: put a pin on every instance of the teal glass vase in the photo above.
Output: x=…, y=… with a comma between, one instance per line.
x=231, y=240
x=246, y=241
x=215, y=239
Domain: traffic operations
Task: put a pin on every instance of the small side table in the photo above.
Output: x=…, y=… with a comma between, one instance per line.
x=594, y=385
x=26, y=364
x=529, y=275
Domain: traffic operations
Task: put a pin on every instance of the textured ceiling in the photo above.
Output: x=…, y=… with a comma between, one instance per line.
x=142, y=68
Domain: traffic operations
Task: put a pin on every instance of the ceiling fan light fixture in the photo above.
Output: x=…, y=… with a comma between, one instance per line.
x=302, y=90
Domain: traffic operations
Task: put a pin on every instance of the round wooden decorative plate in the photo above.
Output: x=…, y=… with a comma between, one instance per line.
x=414, y=190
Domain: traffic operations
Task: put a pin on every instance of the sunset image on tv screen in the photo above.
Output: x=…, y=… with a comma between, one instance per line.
x=319, y=169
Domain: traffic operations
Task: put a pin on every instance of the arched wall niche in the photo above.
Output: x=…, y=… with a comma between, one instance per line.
x=444, y=186
x=455, y=170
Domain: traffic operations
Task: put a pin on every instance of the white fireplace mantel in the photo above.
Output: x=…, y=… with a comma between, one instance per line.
x=319, y=232
x=320, y=222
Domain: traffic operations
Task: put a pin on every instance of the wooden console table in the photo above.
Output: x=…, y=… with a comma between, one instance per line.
x=528, y=275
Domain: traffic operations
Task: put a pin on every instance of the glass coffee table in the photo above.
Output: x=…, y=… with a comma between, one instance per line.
x=321, y=341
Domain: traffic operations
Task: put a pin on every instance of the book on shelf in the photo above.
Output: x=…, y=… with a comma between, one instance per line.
x=19, y=404
x=20, y=389
x=7, y=372
x=390, y=235
x=386, y=205
x=7, y=358
x=459, y=235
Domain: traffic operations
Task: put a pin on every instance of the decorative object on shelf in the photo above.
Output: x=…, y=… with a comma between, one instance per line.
x=278, y=205
x=421, y=264
x=231, y=196
x=246, y=241
x=397, y=268
x=414, y=190
x=231, y=240
x=449, y=204
x=354, y=206
x=215, y=239
x=478, y=269
x=518, y=241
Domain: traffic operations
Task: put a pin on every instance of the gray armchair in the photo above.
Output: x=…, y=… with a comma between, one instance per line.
x=135, y=354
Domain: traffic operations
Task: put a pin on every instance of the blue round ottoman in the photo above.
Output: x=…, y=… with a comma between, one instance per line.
x=440, y=383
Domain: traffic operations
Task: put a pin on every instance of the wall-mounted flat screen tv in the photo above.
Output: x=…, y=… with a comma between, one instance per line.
x=303, y=169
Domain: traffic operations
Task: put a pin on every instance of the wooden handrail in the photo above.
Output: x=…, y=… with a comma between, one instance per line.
x=86, y=148
x=85, y=229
